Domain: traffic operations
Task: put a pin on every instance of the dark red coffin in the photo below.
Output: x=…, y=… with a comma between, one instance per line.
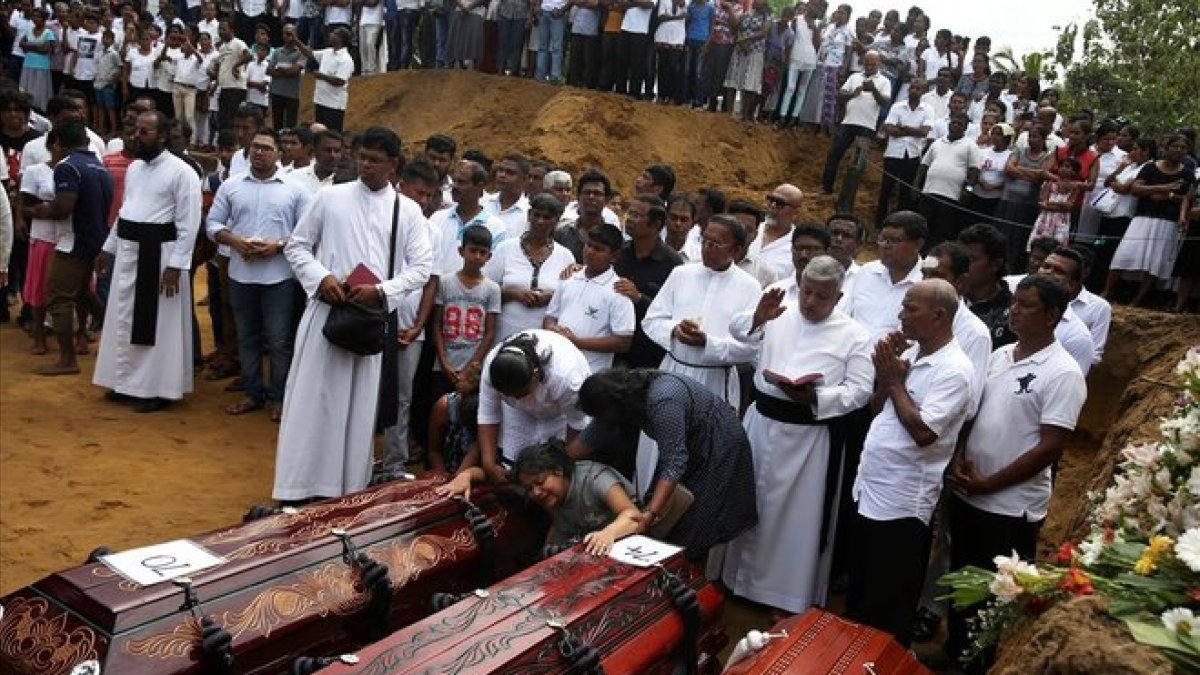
x=287, y=587
x=626, y=617
x=820, y=643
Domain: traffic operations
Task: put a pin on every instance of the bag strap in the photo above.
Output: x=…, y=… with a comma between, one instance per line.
x=395, y=230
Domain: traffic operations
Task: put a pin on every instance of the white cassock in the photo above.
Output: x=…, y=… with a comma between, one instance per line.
x=782, y=561
x=549, y=409
x=325, y=440
x=167, y=195
x=711, y=299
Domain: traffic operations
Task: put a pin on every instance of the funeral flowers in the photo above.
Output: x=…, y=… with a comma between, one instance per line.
x=1142, y=555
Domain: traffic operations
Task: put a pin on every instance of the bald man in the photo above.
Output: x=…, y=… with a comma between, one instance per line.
x=923, y=393
x=773, y=245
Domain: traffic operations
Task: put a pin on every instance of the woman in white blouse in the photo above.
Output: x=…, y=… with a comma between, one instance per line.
x=529, y=269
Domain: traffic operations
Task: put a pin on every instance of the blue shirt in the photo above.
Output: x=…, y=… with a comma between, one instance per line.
x=699, y=21
x=82, y=173
x=268, y=209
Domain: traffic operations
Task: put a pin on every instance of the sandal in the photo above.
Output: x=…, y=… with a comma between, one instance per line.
x=276, y=411
x=222, y=369
x=242, y=407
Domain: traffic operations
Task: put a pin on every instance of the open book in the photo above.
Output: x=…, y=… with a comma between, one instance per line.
x=781, y=380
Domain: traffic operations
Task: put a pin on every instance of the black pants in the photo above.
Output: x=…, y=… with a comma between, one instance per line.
x=887, y=573
x=632, y=59
x=944, y=217
x=246, y=25
x=284, y=112
x=611, y=63
x=671, y=86
x=902, y=173
x=229, y=102
x=330, y=117
x=842, y=140
x=976, y=537
x=584, y=64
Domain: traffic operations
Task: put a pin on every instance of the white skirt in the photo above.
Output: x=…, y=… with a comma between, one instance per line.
x=1149, y=245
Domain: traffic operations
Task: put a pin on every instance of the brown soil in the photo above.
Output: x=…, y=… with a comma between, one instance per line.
x=77, y=472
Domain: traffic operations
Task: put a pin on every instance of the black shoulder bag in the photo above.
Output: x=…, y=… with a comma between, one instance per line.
x=359, y=328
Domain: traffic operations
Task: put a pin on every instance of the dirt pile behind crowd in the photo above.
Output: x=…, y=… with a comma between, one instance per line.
x=579, y=128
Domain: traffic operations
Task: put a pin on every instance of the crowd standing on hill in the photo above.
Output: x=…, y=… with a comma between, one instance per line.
x=721, y=372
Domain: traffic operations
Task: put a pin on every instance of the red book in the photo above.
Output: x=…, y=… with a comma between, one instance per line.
x=361, y=275
x=777, y=379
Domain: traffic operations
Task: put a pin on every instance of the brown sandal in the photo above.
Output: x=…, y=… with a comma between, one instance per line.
x=242, y=407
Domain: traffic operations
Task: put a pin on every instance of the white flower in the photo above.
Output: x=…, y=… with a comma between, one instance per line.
x=1193, y=483
x=1187, y=549
x=1189, y=365
x=1005, y=588
x=1181, y=621
x=1091, y=548
x=1143, y=454
x=1013, y=565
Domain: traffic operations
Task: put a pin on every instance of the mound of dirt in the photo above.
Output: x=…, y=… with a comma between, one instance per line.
x=1077, y=637
x=577, y=128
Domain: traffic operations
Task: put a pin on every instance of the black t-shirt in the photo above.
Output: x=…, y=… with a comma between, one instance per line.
x=648, y=274
x=994, y=314
x=12, y=146
x=1167, y=209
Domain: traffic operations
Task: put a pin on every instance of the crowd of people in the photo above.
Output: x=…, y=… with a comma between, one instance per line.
x=722, y=373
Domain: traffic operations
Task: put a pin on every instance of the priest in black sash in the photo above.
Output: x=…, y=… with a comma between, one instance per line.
x=146, y=348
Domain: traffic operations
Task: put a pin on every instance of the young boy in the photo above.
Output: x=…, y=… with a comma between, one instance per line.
x=257, y=80
x=587, y=310
x=464, y=315
x=108, y=72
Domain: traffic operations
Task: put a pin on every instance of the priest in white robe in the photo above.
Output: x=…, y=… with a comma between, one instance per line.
x=690, y=315
x=784, y=561
x=325, y=441
x=146, y=347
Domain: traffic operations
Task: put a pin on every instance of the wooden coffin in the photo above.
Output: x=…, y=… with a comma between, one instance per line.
x=289, y=586
x=619, y=617
x=820, y=643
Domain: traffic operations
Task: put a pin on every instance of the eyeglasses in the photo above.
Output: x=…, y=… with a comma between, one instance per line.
x=779, y=202
x=713, y=243
x=890, y=241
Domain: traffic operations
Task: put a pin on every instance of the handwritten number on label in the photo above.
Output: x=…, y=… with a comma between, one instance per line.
x=158, y=563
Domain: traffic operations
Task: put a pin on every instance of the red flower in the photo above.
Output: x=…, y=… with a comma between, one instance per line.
x=1194, y=593
x=1076, y=582
x=1066, y=552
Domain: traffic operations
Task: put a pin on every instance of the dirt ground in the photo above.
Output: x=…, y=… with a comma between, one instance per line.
x=77, y=472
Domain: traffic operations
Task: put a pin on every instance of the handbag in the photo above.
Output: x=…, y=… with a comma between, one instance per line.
x=359, y=328
x=677, y=504
x=1105, y=202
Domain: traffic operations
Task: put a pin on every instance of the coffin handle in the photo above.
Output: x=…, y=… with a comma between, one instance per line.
x=216, y=644
x=485, y=538
x=684, y=598
x=374, y=577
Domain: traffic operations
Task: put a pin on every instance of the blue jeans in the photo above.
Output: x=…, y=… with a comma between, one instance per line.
x=695, y=89
x=264, y=314
x=550, y=45
x=511, y=40
x=843, y=138
x=400, y=38
x=441, y=30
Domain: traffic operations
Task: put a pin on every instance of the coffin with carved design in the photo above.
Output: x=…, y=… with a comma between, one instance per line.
x=326, y=578
x=572, y=613
x=820, y=643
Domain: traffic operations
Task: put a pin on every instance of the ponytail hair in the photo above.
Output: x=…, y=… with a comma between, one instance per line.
x=516, y=364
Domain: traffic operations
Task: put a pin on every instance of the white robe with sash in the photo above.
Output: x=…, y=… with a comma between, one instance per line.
x=325, y=440
x=710, y=298
x=780, y=562
x=164, y=190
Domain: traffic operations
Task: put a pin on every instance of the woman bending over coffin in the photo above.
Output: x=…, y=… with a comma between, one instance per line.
x=585, y=500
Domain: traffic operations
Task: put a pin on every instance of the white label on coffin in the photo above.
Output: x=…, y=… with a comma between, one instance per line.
x=161, y=562
x=642, y=551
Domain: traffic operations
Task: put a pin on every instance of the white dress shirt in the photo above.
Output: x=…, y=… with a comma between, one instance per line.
x=1096, y=314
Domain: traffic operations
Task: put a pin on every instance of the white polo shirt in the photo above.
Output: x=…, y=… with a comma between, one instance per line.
x=1096, y=314
x=1075, y=337
x=871, y=298
x=975, y=340
x=1020, y=396
x=901, y=114
x=592, y=308
x=863, y=110
x=948, y=163
x=896, y=479
x=515, y=217
x=338, y=63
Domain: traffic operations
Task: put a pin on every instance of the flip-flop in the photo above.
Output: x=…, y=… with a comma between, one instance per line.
x=276, y=411
x=56, y=369
x=242, y=407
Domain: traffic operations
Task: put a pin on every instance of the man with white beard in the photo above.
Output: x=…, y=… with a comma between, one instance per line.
x=784, y=562
x=146, y=348
x=690, y=315
x=773, y=245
